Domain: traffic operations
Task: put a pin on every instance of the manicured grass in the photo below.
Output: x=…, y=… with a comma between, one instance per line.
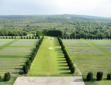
x=95, y=58
x=102, y=43
x=6, y=40
x=85, y=52
x=93, y=64
x=10, y=51
x=25, y=43
x=13, y=55
x=12, y=58
x=103, y=82
x=49, y=60
x=12, y=65
x=27, y=40
x=11, y=82
x=75, y=43
x=91, y=83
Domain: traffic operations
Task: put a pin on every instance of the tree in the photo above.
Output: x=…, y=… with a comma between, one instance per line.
x=25, y=69
x=7, y=76
x=108, y=76
x=99, y=75
x=90, y=76
x=56, y=33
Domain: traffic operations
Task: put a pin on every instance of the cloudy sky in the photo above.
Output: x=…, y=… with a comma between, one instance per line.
x=38, y=7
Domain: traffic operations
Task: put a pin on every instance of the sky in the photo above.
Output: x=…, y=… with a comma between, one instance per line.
x=50, y=7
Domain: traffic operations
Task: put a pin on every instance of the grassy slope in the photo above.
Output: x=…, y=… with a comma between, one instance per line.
x=46, y=61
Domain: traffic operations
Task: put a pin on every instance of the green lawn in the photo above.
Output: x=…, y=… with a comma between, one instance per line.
x=12, y=58
x=49, y=60
x=11, y=82
x=91, y=56
x=103, y=82
x=13, y=55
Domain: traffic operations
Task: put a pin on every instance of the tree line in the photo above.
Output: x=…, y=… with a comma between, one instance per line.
x=19, y=37
x=71, y=26
x=99, y=76
x=32, y=55
x=68, y=60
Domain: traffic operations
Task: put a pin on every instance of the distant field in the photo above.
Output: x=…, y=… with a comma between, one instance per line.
x=94, y=57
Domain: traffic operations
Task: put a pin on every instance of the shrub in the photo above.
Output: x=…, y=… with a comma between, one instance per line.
x=99, y=75
x=0, y=78
x=90, y=76
x=25, y=69
x=72, y=69
x=28, y=62
x=7, y=76
x=108, y=76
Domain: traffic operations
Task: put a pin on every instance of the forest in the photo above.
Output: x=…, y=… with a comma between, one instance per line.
x=71, y=26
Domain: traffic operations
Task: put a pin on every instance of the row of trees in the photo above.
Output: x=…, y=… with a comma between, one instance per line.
x=6, y=77
x=87, y=32
x=79, y=33
x=19, y=37
x=27, y=65
x=69, y=62
x=55, y=33
x=4, y=32
x=99, y=76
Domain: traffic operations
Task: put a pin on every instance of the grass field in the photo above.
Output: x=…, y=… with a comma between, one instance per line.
x=49, y=60
x=103, y=82
x=13, y=54
x=91, y=56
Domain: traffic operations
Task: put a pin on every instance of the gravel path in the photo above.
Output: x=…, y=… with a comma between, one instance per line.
x=49, y=81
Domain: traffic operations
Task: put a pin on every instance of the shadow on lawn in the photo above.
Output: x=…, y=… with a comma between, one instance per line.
x=62, y=64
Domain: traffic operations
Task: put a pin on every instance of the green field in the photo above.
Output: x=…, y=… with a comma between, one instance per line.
x=87, y=55
x=13, y=54
x=13, y=57
x=49, y=60
x=103, y=82
x=91, y=56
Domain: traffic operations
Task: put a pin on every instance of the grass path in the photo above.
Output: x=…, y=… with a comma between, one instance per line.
x=47, y=61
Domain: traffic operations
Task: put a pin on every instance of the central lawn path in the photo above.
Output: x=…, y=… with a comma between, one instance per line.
x=47, y=61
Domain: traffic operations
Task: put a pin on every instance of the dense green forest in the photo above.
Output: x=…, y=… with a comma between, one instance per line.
x=71, y=26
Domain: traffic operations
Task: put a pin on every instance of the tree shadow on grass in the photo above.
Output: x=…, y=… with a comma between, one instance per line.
x=62, y=65
x=60, y=57
x=61, y=60
x=64, y=69
x=65, y=72
x=18, y=68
